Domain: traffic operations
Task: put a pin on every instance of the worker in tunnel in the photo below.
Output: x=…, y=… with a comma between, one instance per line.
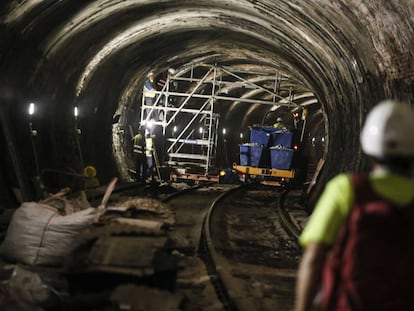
x=279, y=123
x=149, y=94
x=140, y=157
x=149, y=153
x=359, y=240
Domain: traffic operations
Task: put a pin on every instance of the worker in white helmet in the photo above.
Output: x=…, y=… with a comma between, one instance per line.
x=149, y=94
x=359, y=241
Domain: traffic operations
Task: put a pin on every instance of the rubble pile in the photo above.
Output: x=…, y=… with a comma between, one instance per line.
x=142, y=208
x=93, y=257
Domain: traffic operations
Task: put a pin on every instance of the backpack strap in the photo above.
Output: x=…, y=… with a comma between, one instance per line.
x=332, y=269
x=370, y=210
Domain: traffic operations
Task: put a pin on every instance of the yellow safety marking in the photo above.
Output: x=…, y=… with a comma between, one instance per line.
x=264, y=171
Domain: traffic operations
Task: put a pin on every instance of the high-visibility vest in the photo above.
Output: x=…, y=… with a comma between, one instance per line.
x=149, y=90
x=138, y=144
x=149, y=146
x=279, y=125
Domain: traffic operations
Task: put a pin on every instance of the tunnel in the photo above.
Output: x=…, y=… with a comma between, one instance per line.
x=336, y=59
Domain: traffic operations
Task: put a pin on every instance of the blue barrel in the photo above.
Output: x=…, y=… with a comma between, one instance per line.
x=256, y=152
x=281, y=158
x=281, y=138
x=261, y=135
x=254, y=155
x=245, y=154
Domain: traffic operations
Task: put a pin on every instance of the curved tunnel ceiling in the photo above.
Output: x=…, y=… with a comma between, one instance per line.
x=338, y=56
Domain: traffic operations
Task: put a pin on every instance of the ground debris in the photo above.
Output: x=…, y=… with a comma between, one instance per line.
x=136, y=298
x=143, y=208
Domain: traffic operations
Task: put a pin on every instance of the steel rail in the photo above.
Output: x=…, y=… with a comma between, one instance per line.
x=210, y=257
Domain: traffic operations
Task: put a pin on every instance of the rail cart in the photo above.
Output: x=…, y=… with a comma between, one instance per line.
x=268, y=157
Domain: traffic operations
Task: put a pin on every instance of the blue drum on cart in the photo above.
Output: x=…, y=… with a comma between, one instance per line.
x=254, y=155
x=281, y=157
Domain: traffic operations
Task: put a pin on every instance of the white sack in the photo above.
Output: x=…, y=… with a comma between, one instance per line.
x=39, y=235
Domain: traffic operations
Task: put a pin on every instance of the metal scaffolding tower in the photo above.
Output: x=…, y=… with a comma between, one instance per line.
x=184, y=108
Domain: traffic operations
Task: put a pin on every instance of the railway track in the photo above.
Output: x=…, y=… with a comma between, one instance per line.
x=248, y=247
x=256, y=255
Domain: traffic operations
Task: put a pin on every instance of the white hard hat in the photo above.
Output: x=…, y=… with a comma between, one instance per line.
x=389, y=130
x=279, y=119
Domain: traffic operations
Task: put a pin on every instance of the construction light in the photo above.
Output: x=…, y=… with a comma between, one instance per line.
x=174, y=129
x=241, y=135
x=75, y=111
x=31, y=108
x=150, y=124
x=200, y=130
x=224, y=131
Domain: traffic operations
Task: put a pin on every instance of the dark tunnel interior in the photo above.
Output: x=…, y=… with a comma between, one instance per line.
x=258, y=60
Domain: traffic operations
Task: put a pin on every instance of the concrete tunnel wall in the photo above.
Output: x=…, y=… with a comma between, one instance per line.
x=95, y=54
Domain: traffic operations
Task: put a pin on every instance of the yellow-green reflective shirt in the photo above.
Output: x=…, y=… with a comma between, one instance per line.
x=337, y=200
x=279, y=125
